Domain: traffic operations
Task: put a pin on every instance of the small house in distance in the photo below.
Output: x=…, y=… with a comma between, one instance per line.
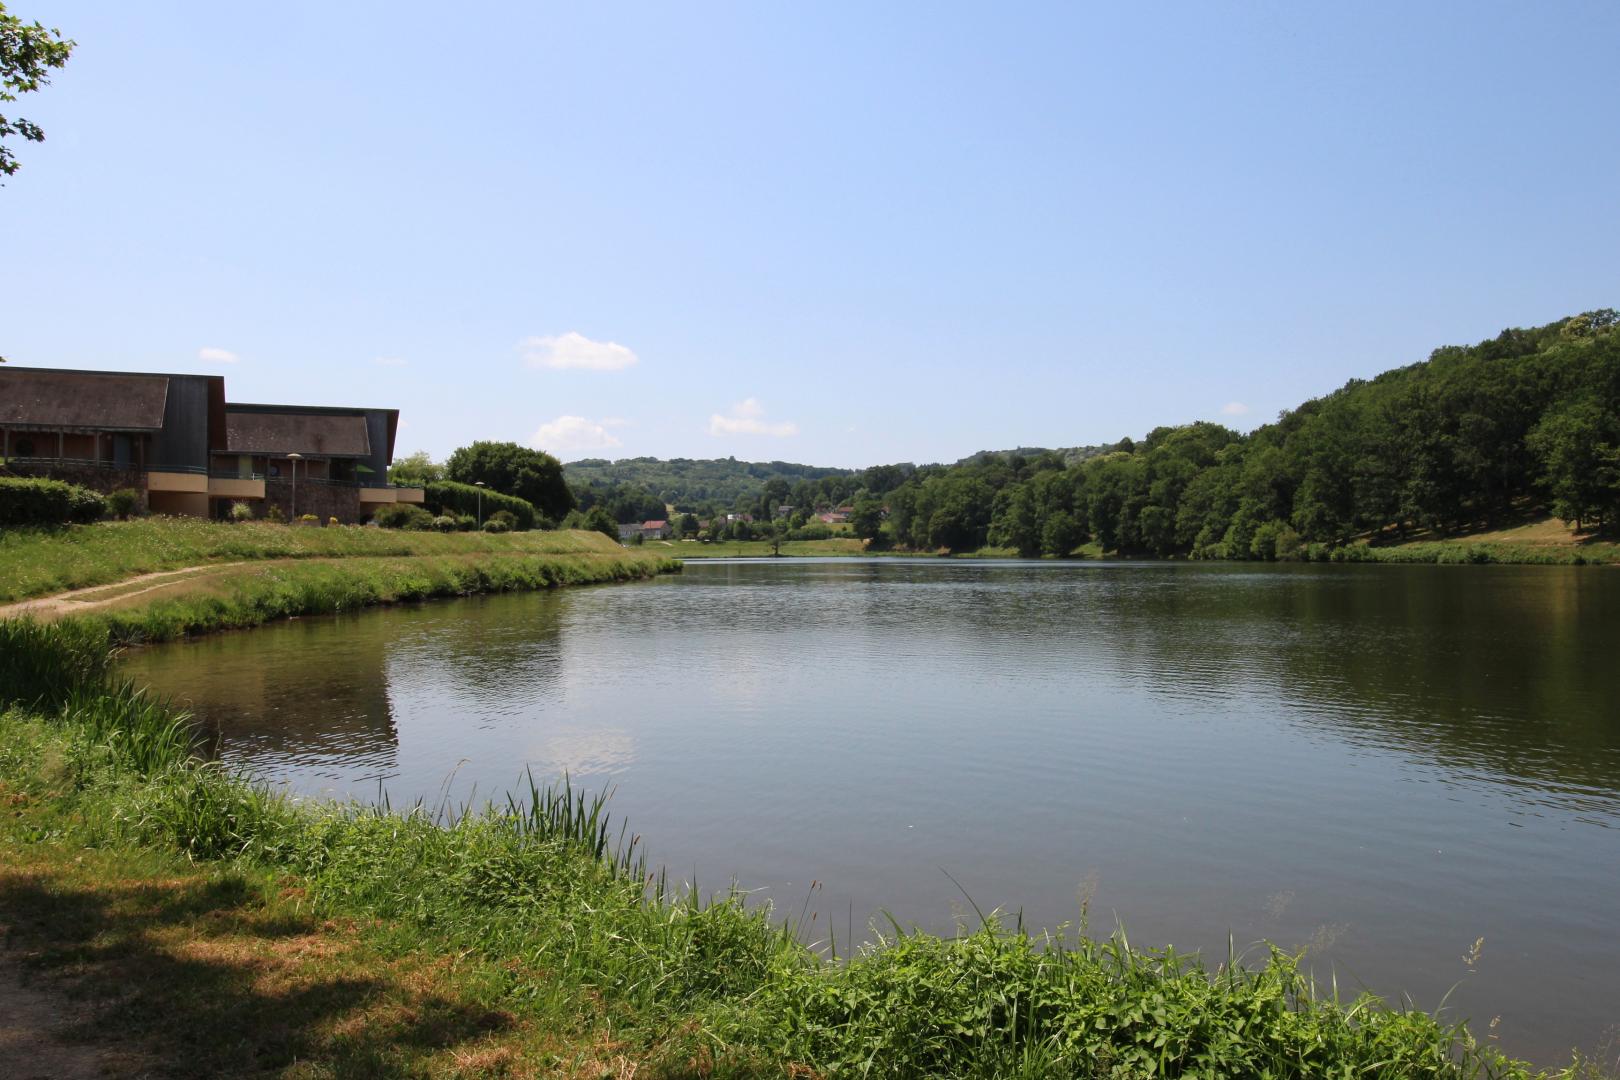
x=176, y=442
x=655, y=530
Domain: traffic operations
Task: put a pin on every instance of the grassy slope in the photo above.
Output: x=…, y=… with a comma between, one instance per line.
x=524, y=940
x=41, y=562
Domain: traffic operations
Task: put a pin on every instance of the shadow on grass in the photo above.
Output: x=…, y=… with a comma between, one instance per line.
x=203, y=978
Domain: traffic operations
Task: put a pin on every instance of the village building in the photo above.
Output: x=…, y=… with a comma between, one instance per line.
x=178, y=444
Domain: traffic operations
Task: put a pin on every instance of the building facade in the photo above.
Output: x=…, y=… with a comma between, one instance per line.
x=183, y=449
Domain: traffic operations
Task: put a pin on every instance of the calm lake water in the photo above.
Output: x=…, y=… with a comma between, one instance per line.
x=1384, y=762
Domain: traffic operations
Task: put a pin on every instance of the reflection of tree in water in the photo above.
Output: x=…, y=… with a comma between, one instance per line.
x=1497, y=674
x=493, y=657
x=1503, y=672
x=309, y=694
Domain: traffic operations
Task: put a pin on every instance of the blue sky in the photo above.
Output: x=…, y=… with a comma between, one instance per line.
x=837, y=234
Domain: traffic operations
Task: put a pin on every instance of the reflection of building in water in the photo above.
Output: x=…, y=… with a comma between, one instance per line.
x=267, y=709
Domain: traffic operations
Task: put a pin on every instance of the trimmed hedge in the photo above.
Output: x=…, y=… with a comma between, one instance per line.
x=449, y=497
x=29, y=501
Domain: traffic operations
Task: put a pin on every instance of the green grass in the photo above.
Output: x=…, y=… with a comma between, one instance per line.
x=40, y=562
x=550, y=906
x=253, y=595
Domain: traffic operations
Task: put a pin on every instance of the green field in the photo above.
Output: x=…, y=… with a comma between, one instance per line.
x=41, y=562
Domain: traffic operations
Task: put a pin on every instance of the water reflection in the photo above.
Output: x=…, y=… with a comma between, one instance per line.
x=1384, y=762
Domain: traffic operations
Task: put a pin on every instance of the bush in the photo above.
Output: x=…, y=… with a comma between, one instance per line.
x=241, y=511
x=274, y=514
x=308, y=519
x=332, y=520
x=466, y=523
x=505, y=517
x=445, y=523
x=496, y=525
x=814, y=531
x=404, y=516
x=47, y=502
x=449, y=497
x=124, y=502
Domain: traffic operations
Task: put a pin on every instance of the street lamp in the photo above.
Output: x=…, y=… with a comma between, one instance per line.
x=479, y=484
x=293, y=457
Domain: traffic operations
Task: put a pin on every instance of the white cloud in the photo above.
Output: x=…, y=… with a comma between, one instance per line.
x=210, y=355
x=575, y=350
x=567, y=434
x=747, y=418
x=390, y=361
x=1234, y=408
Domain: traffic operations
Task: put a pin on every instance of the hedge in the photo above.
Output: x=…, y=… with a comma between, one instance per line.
x=30, y=501
x=449, y=497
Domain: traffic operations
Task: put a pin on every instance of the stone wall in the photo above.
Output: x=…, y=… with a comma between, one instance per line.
x=102, y=478
x=341, y=501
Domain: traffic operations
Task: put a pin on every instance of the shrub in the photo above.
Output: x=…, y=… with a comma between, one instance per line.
x=816, y=531
x=505, y=517
x=404, y=516
x=28, y=501
x=274, y=514
x=496, y=525
x=241, y=511
x=466, y=523
x=124, y=502
x=332, y=520
x=449, y=497
x=308, y=519
x=445, y=523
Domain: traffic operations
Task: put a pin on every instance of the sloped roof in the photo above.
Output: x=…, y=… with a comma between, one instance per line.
x=106, y=400
x=283, y=431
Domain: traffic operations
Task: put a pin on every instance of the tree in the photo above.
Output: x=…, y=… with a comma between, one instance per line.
x=416, y=470
x=867, y=520
x=599, y=520
x=27, y=53
x=515, y=470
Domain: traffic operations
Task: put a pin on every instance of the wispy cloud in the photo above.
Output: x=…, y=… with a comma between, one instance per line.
x=390, y=361
x=568, y=434
x=1234, y=408
x=575, y=350
x=747, y=417
x=208, y=354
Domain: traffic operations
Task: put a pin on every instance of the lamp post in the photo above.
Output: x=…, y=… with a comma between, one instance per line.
x=479, y=484
x=293, y=457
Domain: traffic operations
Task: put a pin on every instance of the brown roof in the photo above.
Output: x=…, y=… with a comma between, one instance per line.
x=35, y=397
x=320, y=433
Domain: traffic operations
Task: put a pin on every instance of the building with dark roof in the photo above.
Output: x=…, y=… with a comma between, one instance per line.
x=176, y=441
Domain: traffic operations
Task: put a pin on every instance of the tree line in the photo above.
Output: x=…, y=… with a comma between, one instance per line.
x=1472, y=436
x=1526, y=421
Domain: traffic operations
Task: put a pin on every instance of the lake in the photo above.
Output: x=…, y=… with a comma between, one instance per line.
x=1380, y=763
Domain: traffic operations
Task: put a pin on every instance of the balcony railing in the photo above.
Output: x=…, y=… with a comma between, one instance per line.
x=52, y=462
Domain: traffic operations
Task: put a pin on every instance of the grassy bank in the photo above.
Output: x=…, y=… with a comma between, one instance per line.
x=37, y=562
x=533, y=930
x=254, y=594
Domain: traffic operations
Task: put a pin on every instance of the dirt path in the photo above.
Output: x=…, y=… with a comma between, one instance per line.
x=54, y=606
x=34, y=1023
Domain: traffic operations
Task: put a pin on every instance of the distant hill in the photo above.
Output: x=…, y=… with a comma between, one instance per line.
x=1070, y=455
x=683, y=481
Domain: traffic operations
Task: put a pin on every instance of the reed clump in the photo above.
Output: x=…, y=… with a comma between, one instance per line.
x=585, y=936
